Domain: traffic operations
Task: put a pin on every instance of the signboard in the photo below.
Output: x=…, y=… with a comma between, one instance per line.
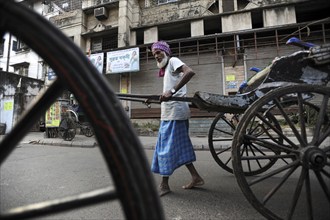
x=55, y=113
x=7, y=112
x=123, y=61
x=8, y=106
x=230, y=77
x=97, y=60
x=51, y=74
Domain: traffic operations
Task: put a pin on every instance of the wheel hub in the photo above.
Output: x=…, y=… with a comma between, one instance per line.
x=314, y=158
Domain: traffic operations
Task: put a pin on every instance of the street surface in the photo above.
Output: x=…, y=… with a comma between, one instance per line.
x=36, y=173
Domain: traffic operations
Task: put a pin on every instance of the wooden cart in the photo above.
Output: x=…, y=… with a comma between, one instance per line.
x=275, y=132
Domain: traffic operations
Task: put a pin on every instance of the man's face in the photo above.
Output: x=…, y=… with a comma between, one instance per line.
x=160, y=57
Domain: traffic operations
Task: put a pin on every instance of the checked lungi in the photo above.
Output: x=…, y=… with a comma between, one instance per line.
x=173, y=148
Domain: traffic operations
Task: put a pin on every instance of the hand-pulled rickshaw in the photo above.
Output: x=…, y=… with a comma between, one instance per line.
x=278, y=125
x=267, y=147
x=71, y=122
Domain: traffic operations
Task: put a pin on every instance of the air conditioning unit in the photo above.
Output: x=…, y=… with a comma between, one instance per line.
x=101, y=13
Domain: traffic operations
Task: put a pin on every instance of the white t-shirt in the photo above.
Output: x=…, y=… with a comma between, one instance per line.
x=173, y=110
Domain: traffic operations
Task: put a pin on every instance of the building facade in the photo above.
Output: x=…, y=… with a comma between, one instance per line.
x=219, y=39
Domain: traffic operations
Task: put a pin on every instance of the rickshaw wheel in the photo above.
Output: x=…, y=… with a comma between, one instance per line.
x=302, y=166
x=220, y=139
x=87, y=129
x=67, y=129
x=122, y=151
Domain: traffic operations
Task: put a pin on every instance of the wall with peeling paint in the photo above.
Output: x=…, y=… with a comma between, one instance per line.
x=16, y=93
x=174, y=12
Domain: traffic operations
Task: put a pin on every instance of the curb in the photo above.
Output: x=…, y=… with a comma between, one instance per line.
x=148, y=142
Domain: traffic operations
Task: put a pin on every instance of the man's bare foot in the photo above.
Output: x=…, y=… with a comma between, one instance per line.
x=163, y=190
x=194, y=183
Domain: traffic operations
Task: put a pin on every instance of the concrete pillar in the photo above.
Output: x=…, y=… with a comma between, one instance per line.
x=279, y=16
x=197, y=28
x=18, y=103
x=124, y=23
x=132, y=40
x=150, y=35
x=220, y=6
x=80, y=41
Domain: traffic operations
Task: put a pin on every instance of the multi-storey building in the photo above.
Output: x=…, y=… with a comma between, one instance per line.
x=219, y=39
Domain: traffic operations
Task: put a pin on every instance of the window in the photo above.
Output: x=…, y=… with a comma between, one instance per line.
x=110, y=41
x=19, y=45
x=2, y=46
x=105, y=43
x=160, y=2
x=22, y=68
x=96, y=44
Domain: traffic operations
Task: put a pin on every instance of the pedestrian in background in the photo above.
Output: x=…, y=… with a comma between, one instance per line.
x=174, y=147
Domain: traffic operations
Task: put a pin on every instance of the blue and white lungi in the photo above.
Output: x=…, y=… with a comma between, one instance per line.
x=173, y=148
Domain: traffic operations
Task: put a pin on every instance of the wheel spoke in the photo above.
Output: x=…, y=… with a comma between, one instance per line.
x=269, y=135
x=224, y=150
x=274, y=172
x=297, y=192
x=278, y=132
x=227, y=161
x=221, y=139
x=223, y=131
x=309, y=196
x=268, y=157
x=247, y=154
x=322, y=137
x=302, y=118
x=276, y=187
x=269, y=145
x=63, y=204
x=286, y=117
x=326, y=173
x=254, y=156
x=323, y=184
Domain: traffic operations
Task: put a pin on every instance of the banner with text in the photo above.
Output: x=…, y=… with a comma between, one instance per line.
x=123, y=61
x=97, y=60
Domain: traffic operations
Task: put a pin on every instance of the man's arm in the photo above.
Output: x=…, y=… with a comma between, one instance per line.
x=187, y=75
x=185, y=78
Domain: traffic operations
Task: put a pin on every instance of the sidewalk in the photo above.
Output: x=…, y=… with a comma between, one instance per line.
x=148, y=142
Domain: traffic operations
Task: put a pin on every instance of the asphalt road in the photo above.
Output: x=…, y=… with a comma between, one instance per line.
x=35, y=173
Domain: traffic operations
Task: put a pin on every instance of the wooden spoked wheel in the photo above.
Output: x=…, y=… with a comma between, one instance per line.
x=122, y=151
x=220, y=139
x=302, y=167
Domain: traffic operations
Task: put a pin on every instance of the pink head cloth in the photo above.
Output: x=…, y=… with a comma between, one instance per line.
x=161, y=45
